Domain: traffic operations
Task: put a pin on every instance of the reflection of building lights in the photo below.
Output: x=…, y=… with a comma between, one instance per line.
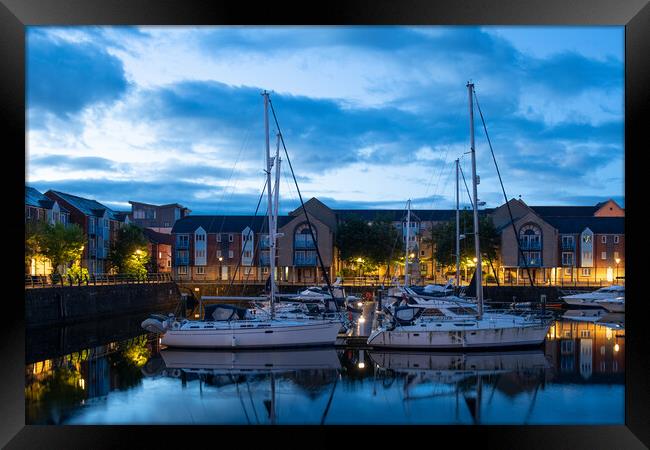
x=616, y=347
x=82, y=383
x=362, y=365
x=362, y=319
x=359, y=304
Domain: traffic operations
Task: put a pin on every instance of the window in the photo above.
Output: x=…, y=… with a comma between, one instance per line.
x=159, y=255
x=616, y=255
x=616, y=239
x=218, y=237
x=169, y=263
x=200, y=270
x=218, y=253
x=586, y=255
x=422, y=253
x=138, y=214
x=567, y=258
x=603, y=255
x=230, y=238
x=230, y=253
x=182, y=270
x=247, y=270
x=586, y=272
x=247, y=254
x=265, y=270
x=603, y=239
x=200, y=237
x=585, y=333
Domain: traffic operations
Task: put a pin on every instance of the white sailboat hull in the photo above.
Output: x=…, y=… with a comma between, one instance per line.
x=415, y=337
x=253, y=334
x=319, y=358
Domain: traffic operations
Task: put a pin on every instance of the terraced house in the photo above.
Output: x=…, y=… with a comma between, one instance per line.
x=38, y=207
x=237, y=247
x=562, y=243
x=99, y=223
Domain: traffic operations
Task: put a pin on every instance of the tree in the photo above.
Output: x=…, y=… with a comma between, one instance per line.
x=34, y=231
x=61, y=244
x=129, y=253
x=368, y=245
x=443, y=237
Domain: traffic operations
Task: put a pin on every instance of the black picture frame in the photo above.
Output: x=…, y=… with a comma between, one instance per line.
x=633, y=14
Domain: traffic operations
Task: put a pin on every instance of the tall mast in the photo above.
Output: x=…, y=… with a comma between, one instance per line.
x=457, y=231
x=408, y=241
x=276, y=193
x=269, y=164
x=477, y=246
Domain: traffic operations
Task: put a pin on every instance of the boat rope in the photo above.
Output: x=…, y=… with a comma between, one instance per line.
x=471, y=203
x=302, y=204
x=512, y=220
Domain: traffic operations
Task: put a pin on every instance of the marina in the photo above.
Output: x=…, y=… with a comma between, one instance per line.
x=576, y=377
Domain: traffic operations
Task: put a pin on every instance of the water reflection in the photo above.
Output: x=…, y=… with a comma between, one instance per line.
x=576, y=377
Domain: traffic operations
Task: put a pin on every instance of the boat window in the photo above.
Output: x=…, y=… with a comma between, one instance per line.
x=432, y=312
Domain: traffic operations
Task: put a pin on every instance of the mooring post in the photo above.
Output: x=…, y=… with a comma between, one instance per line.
x=543, y=301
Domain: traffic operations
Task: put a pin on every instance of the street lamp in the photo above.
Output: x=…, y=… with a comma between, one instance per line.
x=617, y=260
x=359, y=261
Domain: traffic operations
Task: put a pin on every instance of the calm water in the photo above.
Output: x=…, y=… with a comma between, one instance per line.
x=576, y=377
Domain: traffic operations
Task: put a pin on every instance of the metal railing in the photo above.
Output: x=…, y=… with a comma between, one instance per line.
x=56, y=280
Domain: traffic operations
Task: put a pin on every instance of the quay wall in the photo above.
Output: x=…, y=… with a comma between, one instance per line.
x=526, y=293
x=73, y=304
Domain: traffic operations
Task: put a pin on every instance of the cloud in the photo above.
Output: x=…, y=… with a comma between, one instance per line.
x=64, y=77
x=369, y=114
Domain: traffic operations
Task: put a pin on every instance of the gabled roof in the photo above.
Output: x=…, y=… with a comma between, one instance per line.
x=158, y=238
x=159, y=206
x=565, y=211
x=599, y=225
x=396, y=215
x=225, y=224
x=36, y=199
x=87, y=206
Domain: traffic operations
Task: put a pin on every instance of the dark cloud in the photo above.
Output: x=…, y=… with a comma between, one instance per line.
x=64, y=77
x=72, y=162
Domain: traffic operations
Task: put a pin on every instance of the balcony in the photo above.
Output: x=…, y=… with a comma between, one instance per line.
x=303, y=241
x=304, y=260
x=525, y=245
x=570, y=246
x=101, y=253
x=530, y=262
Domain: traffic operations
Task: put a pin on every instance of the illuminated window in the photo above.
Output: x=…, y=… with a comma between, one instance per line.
x=200, y=270
x=603, y=255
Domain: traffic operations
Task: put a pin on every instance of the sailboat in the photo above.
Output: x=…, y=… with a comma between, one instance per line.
x=231, y=327
x=447, y=326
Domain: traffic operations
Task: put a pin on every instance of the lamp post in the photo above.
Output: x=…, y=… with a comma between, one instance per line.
x=359, y=261
x=617, y=260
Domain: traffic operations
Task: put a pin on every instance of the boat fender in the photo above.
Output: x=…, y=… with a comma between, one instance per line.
x=176, y=325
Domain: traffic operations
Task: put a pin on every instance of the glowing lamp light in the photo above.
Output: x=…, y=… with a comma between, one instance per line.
x=362, y=365
x=616, y=347
x=475, y=260
x=196, y=289
x=138, y=252
x=362, y=319
x=359, y=260
x=359, y=304
x=196, y=316
x=412, y=255
x=221, y=258
x=618, y=260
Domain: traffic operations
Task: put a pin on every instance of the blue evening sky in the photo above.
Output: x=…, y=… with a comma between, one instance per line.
x=371, y=116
